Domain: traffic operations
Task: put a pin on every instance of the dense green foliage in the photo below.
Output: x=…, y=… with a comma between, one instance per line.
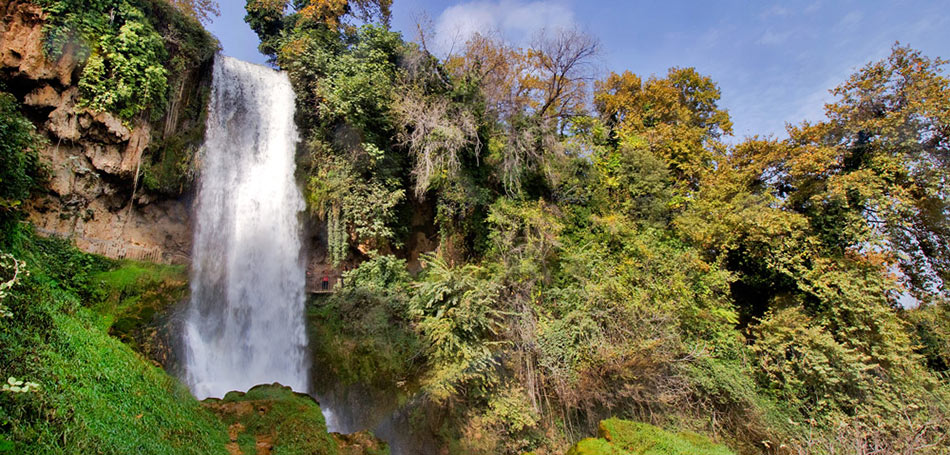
x=123, y=54
x=355, y=182
x=18, y=151
x=130, y=49
x=360, y=335
x=611, y=255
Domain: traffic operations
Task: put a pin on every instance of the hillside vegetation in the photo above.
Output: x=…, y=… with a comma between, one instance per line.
x=606, y=259
x=604, y=250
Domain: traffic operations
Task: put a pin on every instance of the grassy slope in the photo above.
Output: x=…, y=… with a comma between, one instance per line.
x=119, y=402
x=97, y=395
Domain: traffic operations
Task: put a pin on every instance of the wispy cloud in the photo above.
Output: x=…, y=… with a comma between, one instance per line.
x=775, y=11
x=849, y=22
x=516, y=21
x=813, y=7
x=773, y=37
x=811, y=105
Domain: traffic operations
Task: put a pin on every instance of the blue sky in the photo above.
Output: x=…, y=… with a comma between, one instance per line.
x=774, y=61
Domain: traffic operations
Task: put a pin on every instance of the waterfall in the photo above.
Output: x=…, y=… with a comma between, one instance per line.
x=245, y=321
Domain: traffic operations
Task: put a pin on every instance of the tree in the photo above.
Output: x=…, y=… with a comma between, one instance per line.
x=559, y=68
x=435, y=131
x=458, y=320
x=202, y=10
x=808, y=368
x=330, y=12
x=876, y=175
x=677, y=117
x=532, y=94
x=266, y=17
x=636, y=181
x=495, y=67
x=824, y=220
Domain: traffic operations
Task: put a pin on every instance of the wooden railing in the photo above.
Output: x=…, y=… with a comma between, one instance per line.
x=315, y=281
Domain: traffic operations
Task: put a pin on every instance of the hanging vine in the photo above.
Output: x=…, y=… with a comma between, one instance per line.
x=353, y=205
x=336, y=236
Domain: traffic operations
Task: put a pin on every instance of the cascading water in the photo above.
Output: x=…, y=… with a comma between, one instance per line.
x=245, y=323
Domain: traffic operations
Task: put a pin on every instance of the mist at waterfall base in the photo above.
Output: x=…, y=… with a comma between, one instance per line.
x=245, y=321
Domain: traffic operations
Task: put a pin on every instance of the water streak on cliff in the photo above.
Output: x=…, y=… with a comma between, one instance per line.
x=245, y=322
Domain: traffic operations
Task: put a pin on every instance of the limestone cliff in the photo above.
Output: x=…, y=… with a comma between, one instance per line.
x=98, y=193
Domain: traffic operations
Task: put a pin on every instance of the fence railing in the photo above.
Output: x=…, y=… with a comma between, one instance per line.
x=315, y=282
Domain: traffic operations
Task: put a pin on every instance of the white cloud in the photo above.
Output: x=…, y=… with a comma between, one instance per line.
x=516, y=21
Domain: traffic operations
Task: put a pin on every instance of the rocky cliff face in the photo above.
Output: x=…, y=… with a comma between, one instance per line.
x=94, y=194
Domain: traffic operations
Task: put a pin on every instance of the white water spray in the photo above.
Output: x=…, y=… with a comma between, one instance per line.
x=245, y=323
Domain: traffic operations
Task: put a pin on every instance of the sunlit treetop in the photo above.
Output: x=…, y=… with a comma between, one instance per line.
x=677, y=117
x=885, y=153
x=329, y=12
x=202, y=10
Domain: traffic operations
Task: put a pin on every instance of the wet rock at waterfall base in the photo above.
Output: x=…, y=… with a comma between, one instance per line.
x=360, y=443
x=275, y=419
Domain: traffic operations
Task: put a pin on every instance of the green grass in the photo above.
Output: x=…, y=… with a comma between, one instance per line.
x=595, y=446
x=97, y=395
x=121, y=404
x=131, y=275
x=622, y=437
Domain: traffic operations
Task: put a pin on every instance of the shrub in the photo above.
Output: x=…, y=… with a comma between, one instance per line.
x=18, y=153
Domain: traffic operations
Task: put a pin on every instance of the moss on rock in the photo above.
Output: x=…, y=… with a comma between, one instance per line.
x=275, y=419
x=135, y=300
x=623, y=437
